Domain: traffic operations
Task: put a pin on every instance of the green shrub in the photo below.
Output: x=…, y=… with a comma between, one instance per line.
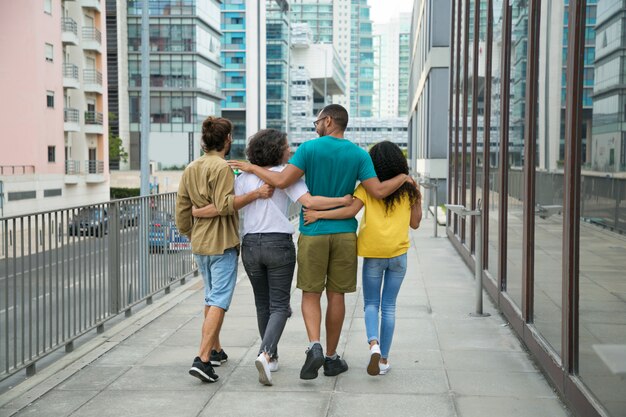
x=117, y=193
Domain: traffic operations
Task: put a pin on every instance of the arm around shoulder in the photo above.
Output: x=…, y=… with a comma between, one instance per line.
x=380, y=190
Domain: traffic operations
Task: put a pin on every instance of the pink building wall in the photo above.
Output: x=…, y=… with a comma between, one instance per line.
x=28, y=127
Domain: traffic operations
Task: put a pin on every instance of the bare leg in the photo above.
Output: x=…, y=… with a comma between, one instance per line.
x=217, y=346
x=210, y=331
x=335, y=313
x=312, y=314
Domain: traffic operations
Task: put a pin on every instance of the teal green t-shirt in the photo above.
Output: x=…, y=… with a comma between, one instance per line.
x=332, y=168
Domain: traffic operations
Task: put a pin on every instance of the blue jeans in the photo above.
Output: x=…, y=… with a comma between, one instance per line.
x=388, y=274
x=219, y=273
x=269, y=260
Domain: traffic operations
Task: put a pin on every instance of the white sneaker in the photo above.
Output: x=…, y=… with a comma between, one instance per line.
x=263, y=366
x=384, y=368
x=273, y=365
x=373, y=367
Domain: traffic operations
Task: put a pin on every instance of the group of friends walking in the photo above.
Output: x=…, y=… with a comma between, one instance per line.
x=321, y=175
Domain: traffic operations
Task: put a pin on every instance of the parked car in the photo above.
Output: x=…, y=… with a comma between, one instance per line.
x=163, y=236
x=129, y=215
x=89, y=221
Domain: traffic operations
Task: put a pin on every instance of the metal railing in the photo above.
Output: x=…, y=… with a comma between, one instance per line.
x=16, y=169
x=92, y=76
x=94, y=167
x=70, y=115
x=91, y=33
x=70, y=71
x=69, y=25
x=72, y=167
x=67, y=272
x=93, y=118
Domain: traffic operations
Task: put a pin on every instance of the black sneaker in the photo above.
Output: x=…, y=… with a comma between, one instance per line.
x=203, y=371
x=218, y=358
x=333, y=367
x=314, y=361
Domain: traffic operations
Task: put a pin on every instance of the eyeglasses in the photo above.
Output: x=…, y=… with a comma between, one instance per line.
x=319, y=120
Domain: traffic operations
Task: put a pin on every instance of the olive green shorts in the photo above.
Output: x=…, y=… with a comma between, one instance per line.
x=327, y=262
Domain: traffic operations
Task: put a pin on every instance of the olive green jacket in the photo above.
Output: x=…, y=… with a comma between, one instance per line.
x=208, y=180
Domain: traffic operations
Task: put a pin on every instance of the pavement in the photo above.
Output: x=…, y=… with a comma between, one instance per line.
x=444, y=362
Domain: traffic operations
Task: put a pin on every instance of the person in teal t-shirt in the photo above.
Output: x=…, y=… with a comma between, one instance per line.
x=327, y=257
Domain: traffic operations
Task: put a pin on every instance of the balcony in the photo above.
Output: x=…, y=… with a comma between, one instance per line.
x=91, y=4
x=92, y=81
x=93, y=122
x=233, y=47
x=71, y=120
x=72, y=171
x=92, y=39
x=70, y=76
x=69, y=31
x=95, y=171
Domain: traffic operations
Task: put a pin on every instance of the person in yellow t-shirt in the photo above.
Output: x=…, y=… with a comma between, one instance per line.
x=383, y=242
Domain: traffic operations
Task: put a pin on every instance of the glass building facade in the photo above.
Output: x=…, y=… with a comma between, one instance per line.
x=318, y=15
x=233, y=58
x=361, y=60
x=277, y=57
x=184, y=64
x=550, y=179
x=185, y=74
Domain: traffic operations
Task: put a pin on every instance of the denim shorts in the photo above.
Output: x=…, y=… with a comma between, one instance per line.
x=219, y=273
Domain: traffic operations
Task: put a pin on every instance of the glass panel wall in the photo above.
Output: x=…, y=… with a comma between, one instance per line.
x=453, y=105
x=602, y=327
x=462, y=115
x=467, y=139
x=515, y=159
x=492, y=200
x=548, y=268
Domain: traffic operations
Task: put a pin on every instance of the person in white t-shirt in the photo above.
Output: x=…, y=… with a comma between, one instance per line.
x=268, y=251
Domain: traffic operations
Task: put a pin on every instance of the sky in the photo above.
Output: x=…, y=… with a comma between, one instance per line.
x=382, y=10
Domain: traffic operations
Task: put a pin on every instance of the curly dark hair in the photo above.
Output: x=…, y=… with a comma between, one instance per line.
x=215, y=131
x=266, y=147
x=389, y=161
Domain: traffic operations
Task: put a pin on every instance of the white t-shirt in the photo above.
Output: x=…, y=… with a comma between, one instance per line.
x=268, y=215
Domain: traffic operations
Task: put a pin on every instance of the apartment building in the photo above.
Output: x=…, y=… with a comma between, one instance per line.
x=54, y=116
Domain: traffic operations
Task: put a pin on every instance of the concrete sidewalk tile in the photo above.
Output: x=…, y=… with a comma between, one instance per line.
x=246, y=378
x=182, y=403
x=93, y=378
x=486, y=360
x=124, y=355
x=509, y=407
x=385, y=404
x=397, y=381
x=56, y=403
x=403, y=358
x=500, y=384
x=267, y=403
x=170, y=356
x=164, y=378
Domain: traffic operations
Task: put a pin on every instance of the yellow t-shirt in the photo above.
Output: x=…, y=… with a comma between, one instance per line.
x=381, y=234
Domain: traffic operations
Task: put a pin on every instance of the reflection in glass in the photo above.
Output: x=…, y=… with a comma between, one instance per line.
x=548, y=250
x=491, y=201
x=515, y=160
x=453, y=107
x=467, y=161
x=603, y=206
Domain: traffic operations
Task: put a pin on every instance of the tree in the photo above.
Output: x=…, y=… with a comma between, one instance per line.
x=116, y=150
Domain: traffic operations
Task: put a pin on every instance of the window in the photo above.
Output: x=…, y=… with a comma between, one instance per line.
x=49, y=52
x=51, y=153
x=47, y=6
x=50, y=99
